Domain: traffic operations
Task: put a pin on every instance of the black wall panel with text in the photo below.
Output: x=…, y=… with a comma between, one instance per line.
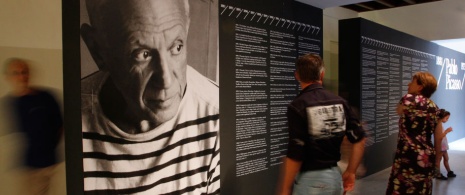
x=259, y=42
x=376, y=65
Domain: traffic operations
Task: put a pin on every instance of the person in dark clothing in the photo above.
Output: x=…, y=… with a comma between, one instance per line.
x=37, y=116
x=318, y=122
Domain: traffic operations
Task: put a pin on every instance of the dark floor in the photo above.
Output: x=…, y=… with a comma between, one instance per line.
x=376, y=184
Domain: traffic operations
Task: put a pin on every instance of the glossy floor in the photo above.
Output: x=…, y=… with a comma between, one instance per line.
x=376, y=184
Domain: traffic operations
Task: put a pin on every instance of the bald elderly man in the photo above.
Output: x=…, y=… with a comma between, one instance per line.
x=35, y=113
x=150, y=121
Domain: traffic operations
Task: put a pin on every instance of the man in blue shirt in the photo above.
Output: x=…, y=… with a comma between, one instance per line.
x=37, y=116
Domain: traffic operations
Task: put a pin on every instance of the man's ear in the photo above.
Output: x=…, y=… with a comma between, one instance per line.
x=88, y=34
x=322, y=75
x=296, y=75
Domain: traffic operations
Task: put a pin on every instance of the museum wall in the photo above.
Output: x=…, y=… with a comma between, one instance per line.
x=37, y=36
x=387, y=60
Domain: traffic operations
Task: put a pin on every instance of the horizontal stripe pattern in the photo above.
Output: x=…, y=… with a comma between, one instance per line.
x=110, y=139
x=181, y=156
x=188, y=159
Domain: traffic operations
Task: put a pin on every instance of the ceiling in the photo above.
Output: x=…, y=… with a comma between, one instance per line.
x=330, y=3
x=429, y=16
x=383, y=4
x=364, y=5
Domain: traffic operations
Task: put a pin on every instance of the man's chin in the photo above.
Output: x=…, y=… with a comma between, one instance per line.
x=162, y=111
x=159, y=117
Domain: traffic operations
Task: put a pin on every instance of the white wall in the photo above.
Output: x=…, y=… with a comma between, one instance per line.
x=32, y=30
x=30, y=24
x=430, y=21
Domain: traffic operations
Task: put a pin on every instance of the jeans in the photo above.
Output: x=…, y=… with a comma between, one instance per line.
x=321, y=182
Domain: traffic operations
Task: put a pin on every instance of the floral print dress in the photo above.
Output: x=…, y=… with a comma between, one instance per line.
x=413, y=168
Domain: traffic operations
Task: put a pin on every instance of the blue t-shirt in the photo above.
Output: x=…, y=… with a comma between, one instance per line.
x=38, y=116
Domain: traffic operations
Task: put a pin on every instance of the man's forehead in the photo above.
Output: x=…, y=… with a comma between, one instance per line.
x=17, y=65
x=138, y=8
x=117, y=15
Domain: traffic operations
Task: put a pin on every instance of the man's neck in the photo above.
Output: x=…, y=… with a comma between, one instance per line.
x=303, y=85
x=21, y=92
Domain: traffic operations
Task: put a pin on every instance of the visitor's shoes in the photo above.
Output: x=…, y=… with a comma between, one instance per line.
x=441, y=177
x=451, y=174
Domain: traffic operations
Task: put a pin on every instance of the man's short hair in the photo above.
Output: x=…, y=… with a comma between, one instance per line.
x=309, y=67
x=428, y=82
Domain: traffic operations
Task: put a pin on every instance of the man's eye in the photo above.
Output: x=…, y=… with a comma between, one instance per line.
x=176, y=49
x=141, y=55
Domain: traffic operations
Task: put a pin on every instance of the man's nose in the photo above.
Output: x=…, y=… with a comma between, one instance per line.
x=23, y=76
x=162, y=70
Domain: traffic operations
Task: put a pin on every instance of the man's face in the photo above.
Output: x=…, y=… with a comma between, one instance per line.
x=144, y=51
x=17, y=74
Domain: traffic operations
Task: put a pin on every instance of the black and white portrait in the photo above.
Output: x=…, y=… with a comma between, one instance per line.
x=150, y=96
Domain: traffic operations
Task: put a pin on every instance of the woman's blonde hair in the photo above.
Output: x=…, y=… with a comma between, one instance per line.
x=428, y=82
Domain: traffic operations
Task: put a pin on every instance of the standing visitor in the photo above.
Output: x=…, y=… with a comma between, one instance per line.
x=414, y=161
x=37, y=116
x=444, y=117
x=318, y=122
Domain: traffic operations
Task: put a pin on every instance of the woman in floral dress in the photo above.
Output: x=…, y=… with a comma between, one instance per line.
x=413, y=168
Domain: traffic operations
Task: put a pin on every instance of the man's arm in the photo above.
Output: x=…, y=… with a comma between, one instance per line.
x=348, y=177
x=289, y=170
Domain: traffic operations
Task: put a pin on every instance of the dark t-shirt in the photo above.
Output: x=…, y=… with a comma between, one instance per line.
x=38, y=116
x=318, y=121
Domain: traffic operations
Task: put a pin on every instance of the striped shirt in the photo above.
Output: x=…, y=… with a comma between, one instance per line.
x=181, y=156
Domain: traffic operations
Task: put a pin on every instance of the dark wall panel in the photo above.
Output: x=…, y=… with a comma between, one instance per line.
x=376, y=65
x=259, y=42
